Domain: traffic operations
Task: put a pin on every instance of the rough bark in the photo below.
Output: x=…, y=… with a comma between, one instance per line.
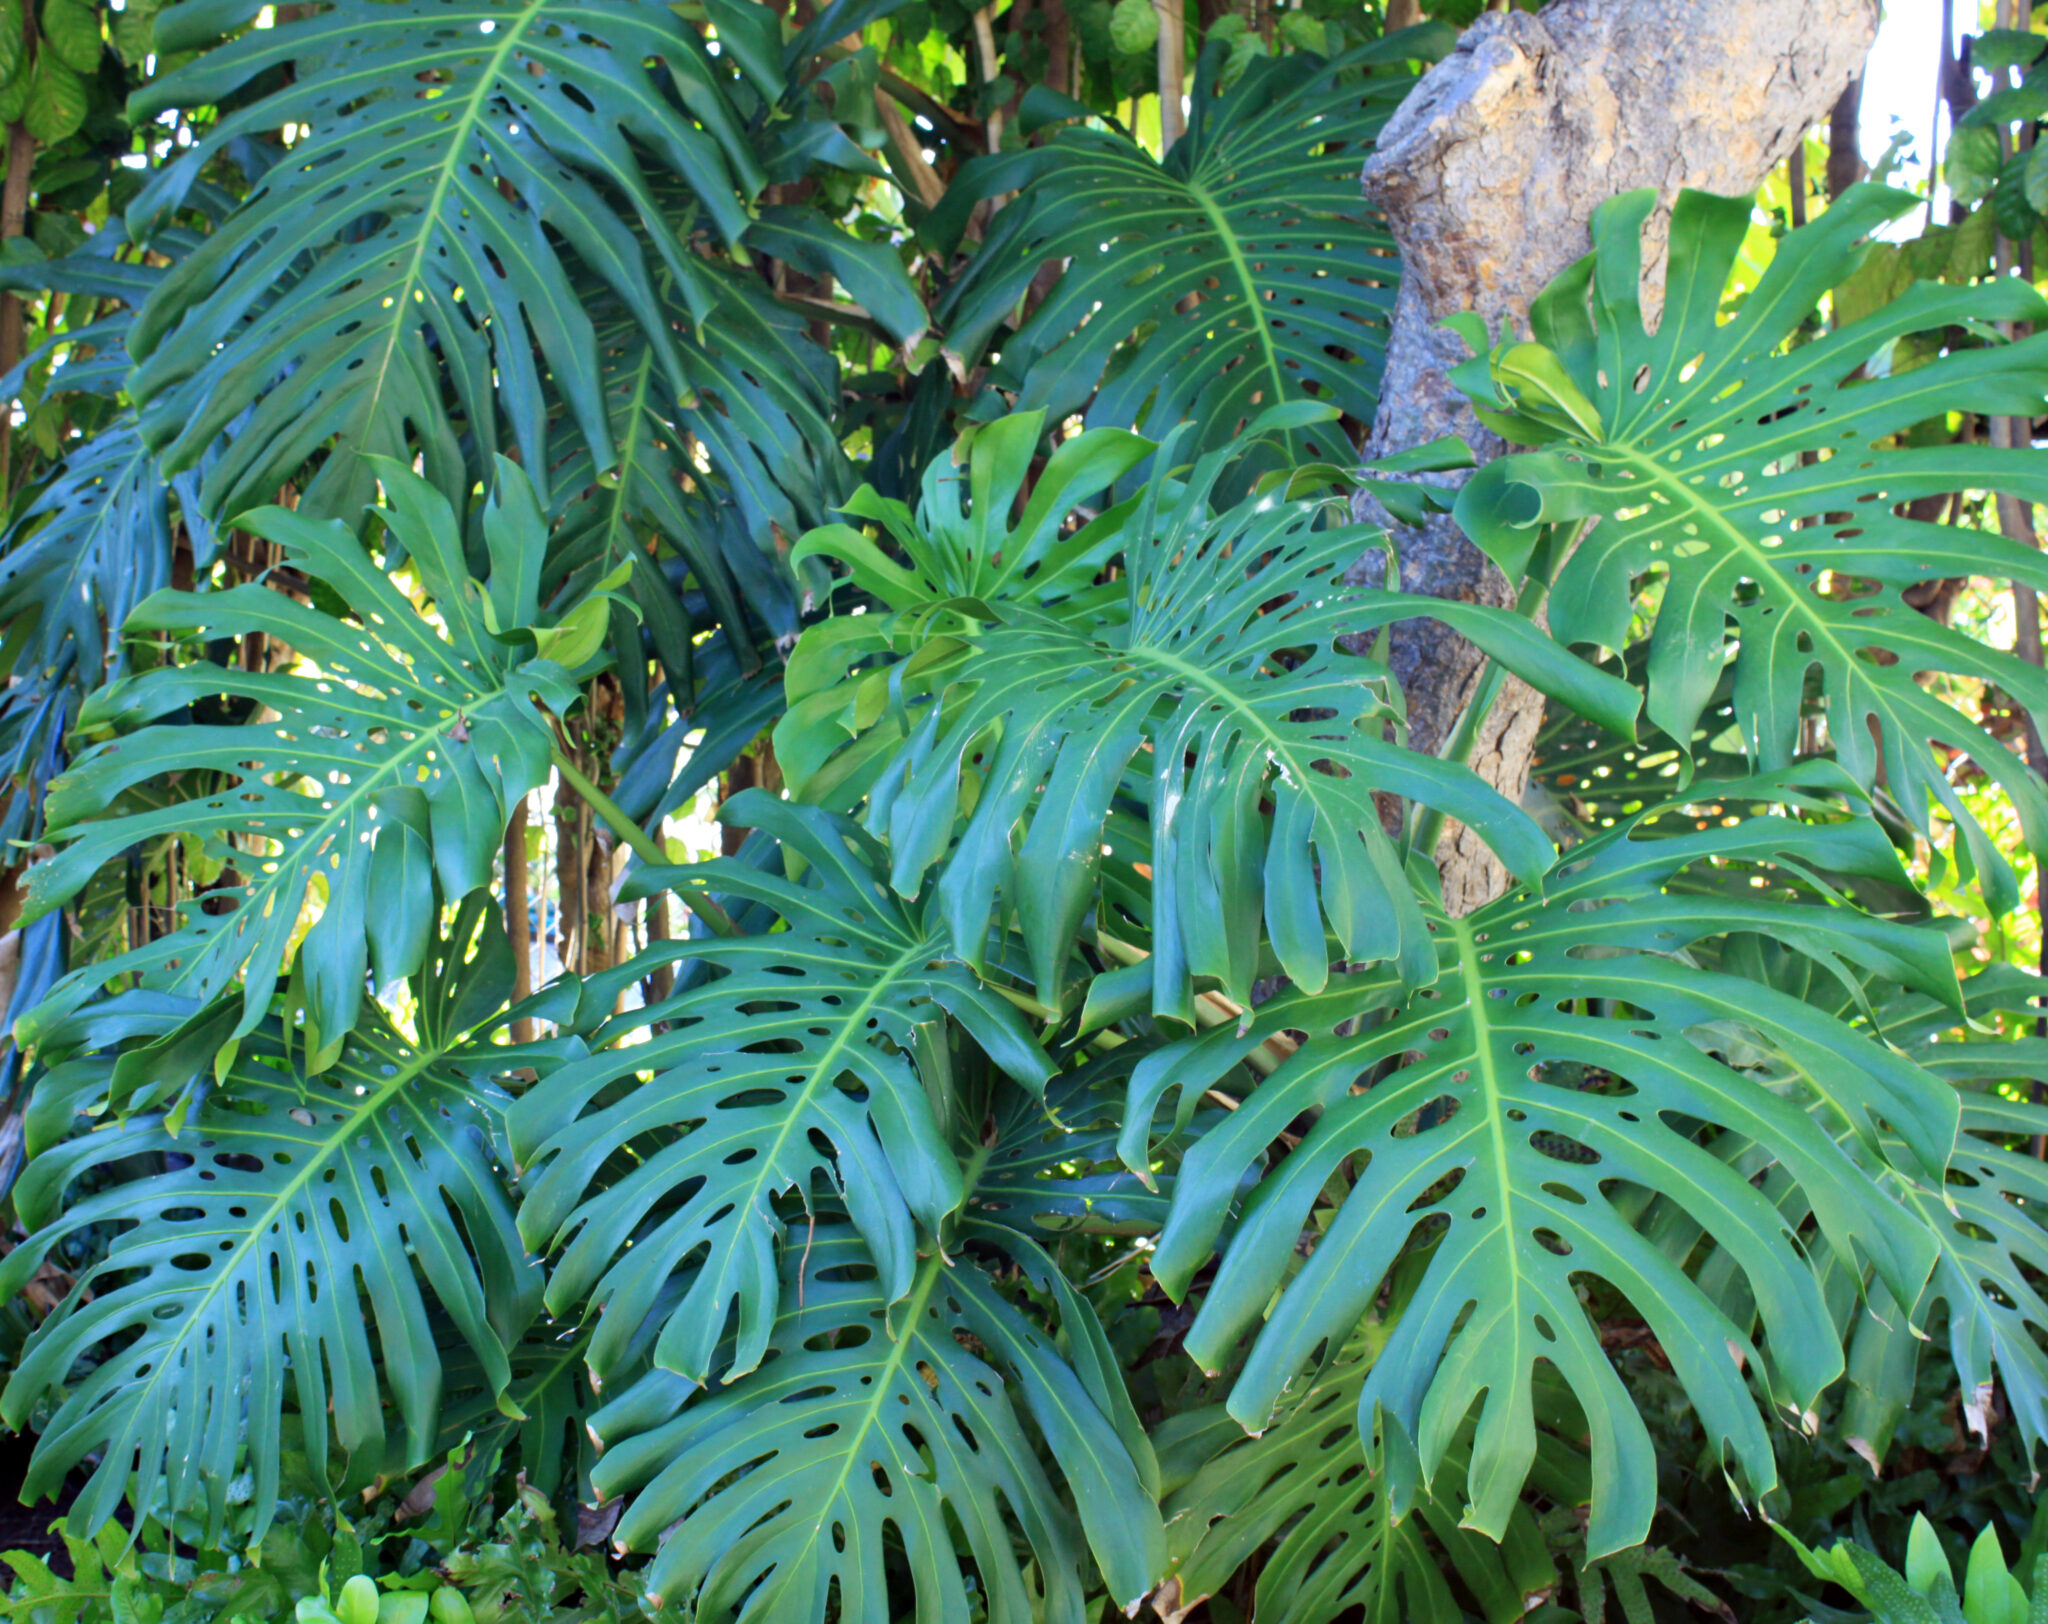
x=1488, y=174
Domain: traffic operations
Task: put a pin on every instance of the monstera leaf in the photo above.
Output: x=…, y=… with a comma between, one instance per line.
x=1762, y=485
x=1991, y=1213
x=1988, y=1214
x=1241, y=271
x=451, y=162
x=1495, y=1124
x=1053, y=1167
x=1208, y=680
x=759, y=420
x=816, y=1062
x=760, y=410
x=277, y=1254
x=388, y=766
x=92, y=542
x=1596, y=779
x=537, y=1410
x=1342, y=1552
x=893, y=1426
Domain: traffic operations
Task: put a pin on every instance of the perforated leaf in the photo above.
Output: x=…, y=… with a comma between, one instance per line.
x=1341, y=1552
x=1595, y=779
x=1015, y=700
x=387, y=769
x=482, y=144
x=95, y=539
x=1762, y=485
x=759, y=412
x=277, y=1257
x=1241, y=271
x=1989, y=1214
x=816, y=1063
x=1492, y=1124
x=889, y=1434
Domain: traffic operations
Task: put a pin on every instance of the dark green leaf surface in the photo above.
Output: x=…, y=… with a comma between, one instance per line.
x=1476, y=1124
x=1991, y=1218
x=537, y=1408
x=1208, y=681
x=270, y=1286
x=759, y=414
x=870, y=272
x=92, y=542
x=1341, y=1551
x=815, y=1063
x=452, y=153
x=1242, y=271
x=882, y=1424
x=1989, y=1214
x=1053, y=1168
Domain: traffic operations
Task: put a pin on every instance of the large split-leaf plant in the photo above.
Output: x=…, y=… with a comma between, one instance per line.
x=1060, y=1151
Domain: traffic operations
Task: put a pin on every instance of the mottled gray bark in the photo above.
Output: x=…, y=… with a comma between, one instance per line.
x=1488, y=174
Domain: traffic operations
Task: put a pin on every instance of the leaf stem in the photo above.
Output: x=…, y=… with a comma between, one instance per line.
x=1023, y=1001
x=644, y=845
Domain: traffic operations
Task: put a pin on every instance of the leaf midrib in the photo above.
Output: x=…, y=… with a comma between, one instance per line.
x=627, y=460
x=309, y=846
x=884, y=1383
x=76, y=574
x=822, y=1074
x=1275, y=745
x=458, y=138
x=1763, y=567
x=1474, y=979
x=1243, y=271
x=915, y=1300
x=279, y=1207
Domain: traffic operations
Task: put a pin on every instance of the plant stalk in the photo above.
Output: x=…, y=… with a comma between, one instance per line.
x=643, y=844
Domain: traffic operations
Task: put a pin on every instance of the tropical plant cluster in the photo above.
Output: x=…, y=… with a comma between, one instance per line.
x=722, y=908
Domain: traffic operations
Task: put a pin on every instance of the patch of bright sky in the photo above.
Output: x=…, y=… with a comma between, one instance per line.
x=1899, y=94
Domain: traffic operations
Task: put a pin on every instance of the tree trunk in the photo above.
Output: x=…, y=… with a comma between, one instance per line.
x=1488, y=174
x=1845, y=139
x=14, y=200
x=1172, y=56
